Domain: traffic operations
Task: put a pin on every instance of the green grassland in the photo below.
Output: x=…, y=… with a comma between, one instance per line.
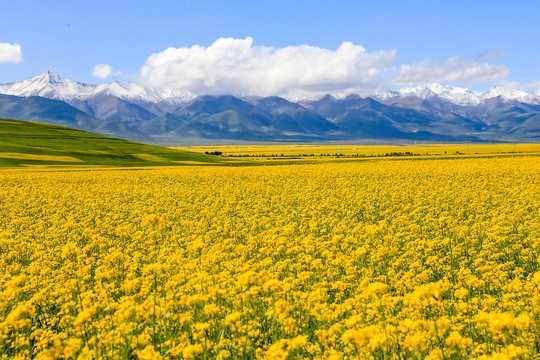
x=24, y=143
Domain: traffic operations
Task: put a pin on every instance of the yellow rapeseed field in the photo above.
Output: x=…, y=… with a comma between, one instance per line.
x=367, y=150
x=411, y=259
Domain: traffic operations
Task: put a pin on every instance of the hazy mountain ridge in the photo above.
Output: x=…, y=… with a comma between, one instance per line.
x=427, y=112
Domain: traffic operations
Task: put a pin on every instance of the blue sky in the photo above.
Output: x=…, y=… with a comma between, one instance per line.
x=466, y=43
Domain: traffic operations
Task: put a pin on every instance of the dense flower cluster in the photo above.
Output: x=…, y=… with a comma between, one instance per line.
x=384, y=259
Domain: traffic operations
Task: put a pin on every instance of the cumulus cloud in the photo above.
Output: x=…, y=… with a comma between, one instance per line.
x=455, y=69
x=10, y=53
x=103, y=71
x=236, y=66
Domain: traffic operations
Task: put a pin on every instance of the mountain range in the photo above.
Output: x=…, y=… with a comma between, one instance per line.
x=431, y=112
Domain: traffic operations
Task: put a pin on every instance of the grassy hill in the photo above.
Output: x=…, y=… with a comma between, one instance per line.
x=24, y=143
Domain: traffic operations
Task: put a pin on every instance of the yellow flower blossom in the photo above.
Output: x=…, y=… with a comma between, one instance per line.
x=358, y=259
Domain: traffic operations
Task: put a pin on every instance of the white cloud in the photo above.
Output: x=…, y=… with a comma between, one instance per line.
x=455, y=69
x=236, y=66
x=10, y=53
x=103, y=71
x=527, y=86
x=534, y=85
x=490, y=55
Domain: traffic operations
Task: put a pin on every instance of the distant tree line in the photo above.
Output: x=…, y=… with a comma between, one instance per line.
x=337, y=155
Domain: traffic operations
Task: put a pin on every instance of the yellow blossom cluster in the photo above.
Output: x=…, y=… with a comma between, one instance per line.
x=435, y=259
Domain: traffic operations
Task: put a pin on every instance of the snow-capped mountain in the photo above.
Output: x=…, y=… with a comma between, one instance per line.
x=512, y=94
x=54, y=86
x=432, y=112
x=460, y=96
x=48, y=85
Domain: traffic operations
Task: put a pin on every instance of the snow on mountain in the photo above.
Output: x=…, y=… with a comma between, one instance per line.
x=131, y=91
x=456, y=95
x=461, y=96
x=54, y=86
x=512, y=94
x=47, y=85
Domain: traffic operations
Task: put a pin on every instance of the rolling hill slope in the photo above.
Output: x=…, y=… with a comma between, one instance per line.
x=24, y=143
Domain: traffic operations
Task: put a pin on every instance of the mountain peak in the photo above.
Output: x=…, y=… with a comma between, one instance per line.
x=50, y=77
x=453, y=94
x=51, y=85
x=435, y=88
x=460, y=96
x=328, y=97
